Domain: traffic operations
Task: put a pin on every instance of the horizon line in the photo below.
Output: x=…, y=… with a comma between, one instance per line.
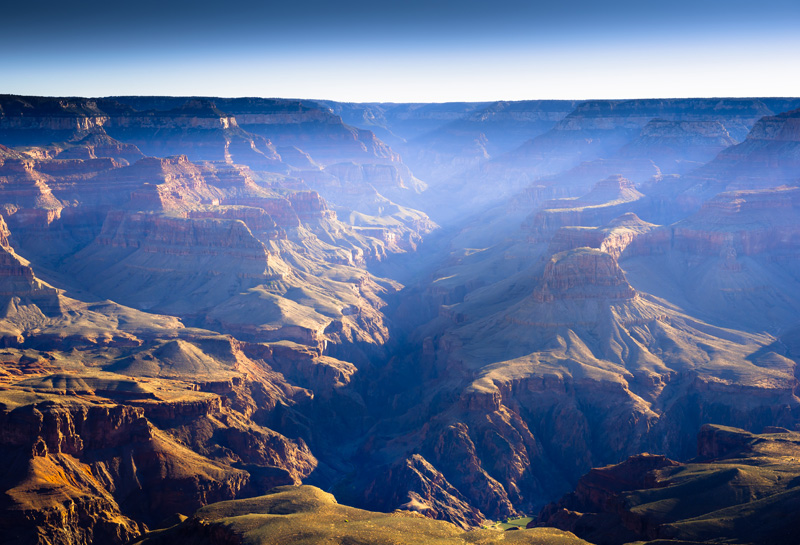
x=455, y=101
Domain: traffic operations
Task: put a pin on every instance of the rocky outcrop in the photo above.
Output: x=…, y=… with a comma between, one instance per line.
x=173, y=260
x=583, y=273
x=728, y=259
x=613, y=238
x=19, y=279
x=98, y=144
x=99, y=444
x=310, y=207
x=23, y=297
x=744, y=222
x=597, y=129
x=279, y=208
x=321, y=374
x=415, y=485
x=306, y=125
x=288, y=211
x=487, y=471
x=603, y=488
x=80, y=193
x=719, y=442
x=5, y=243
x=635, y=473
x=736, y=497
x=257, y=220
x=607, y=200
x=768, y=157
x=53, y=428
x=169, y=184
x=216, y=428
x=614, y=189
x=28, y=200
x=157, y=234
x=95, y=460
x=782, y=128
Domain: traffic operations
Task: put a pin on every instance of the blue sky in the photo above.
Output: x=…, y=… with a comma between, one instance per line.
x=413, y=50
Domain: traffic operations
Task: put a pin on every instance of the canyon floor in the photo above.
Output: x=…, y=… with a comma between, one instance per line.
x=293, y=321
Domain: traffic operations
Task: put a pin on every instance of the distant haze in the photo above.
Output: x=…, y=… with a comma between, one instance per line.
x=411, y=51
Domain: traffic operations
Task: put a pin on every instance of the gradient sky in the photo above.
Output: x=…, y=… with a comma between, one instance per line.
x=402, y=51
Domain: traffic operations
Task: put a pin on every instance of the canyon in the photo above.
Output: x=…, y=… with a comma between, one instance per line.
x=221, y=316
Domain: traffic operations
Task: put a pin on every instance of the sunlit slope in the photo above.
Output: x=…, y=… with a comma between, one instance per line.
x=307, y=515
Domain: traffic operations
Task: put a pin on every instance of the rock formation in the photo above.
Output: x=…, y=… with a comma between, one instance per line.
x=613, y=238
x=576, y=274
x=741, y=487
x=204, y=298
x=727, y=261
x=607, y=199
x=767, y=157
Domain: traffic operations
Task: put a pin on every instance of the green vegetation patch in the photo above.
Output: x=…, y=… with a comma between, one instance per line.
x=306, y=515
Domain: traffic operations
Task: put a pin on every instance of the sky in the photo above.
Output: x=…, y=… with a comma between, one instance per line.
x=402, y=51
